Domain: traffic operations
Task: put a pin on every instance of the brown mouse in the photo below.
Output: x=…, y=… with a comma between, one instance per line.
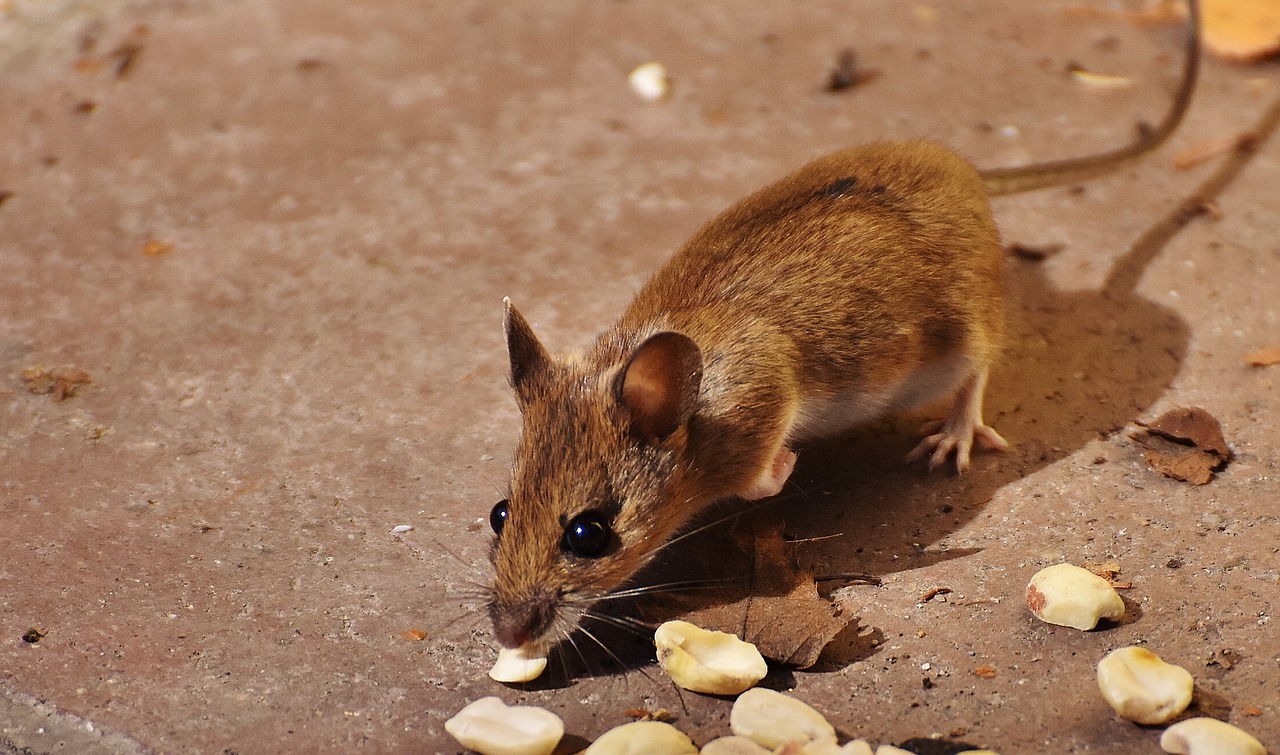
x=866, y=283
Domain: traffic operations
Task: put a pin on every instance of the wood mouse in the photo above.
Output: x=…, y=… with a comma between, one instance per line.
x=868, y=282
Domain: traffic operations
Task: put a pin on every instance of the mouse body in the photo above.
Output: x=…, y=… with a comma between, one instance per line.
x=869, y=282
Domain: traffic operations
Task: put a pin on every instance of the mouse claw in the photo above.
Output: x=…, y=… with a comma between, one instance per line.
x=939, y=446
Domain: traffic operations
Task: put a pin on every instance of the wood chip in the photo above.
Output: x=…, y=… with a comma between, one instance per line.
x=154, y=248
x=1099, y=80
x=1264, y=357
x=935, y=592
x=1207, y=150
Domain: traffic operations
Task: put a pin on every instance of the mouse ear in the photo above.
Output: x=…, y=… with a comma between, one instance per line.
x=529, y=359
x=659, y=386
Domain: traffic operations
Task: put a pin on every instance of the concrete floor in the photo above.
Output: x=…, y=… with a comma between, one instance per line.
x=276, y=236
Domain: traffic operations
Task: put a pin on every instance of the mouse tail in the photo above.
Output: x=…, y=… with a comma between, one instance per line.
x=1044, y=175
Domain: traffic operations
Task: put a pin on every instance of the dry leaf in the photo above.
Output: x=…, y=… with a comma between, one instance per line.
x=985, y=672
x=1195, y=426
x=644, y=714
x=776, y=606
x=1245, y=30
x=1195, y=467
x=416, y=635
x=1264, y=357
x=61, y=383
x=1186, y=444
x=1110, y=571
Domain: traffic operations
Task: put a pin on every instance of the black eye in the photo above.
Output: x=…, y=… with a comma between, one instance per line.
x=498, y=517
x=587, y=535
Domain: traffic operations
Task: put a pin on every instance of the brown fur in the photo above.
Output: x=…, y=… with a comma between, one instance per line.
x=842, y=278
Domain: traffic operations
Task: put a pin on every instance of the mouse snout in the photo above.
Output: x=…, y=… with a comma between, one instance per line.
x=516, y=623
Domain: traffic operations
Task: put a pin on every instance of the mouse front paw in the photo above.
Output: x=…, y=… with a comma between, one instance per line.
x=774, y=476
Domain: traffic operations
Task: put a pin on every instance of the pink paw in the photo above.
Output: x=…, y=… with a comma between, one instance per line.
x=770, y=482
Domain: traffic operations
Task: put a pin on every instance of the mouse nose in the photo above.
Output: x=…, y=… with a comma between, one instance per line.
x=519, y=622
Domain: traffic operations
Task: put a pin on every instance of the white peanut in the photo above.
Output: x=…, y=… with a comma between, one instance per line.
x=771, y=719
x=1143, y=688
x=491, y=727
x=1209, y=736
x=1073, y=597
x=642, y=738
x=701, y=660
x=520, y=664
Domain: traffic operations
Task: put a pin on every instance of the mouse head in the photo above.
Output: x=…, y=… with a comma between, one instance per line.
x=598, y=480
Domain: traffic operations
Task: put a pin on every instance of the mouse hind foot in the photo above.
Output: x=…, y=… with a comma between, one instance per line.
x=961, y=431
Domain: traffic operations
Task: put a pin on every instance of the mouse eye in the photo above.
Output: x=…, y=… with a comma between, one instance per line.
x=587, y=535
x=498, y=517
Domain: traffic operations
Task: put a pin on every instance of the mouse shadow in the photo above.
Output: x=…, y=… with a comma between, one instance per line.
x=1077, y=367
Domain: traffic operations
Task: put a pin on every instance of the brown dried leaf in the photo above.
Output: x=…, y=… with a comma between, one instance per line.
x=777, y=607
x=1246, y=30
x=1195, y=426
x=1264, y=357
x=61, y=383
x=1189, y=465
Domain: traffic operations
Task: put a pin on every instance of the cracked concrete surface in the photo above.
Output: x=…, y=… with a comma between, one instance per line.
x=276, y=236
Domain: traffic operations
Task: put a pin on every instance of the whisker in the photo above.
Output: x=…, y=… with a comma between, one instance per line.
x=568, y=637
x=633, y=626
x=471, y=565
x=681, y=586
x=752, y=506
x=621, y=665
